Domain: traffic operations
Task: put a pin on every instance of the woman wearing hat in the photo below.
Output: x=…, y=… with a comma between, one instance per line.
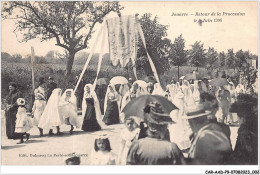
x=246, y=149
x=11, y=110
x=154, y=149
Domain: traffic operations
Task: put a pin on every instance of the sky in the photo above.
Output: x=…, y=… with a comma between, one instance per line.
x=237, y=32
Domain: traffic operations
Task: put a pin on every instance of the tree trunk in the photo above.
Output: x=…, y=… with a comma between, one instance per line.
x=69, y=63
x=197, y=68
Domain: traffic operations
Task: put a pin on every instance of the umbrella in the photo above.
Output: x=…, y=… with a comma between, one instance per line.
x=136, y=106
x=150, y=79
x=141, y=83
x=219, y=82
x=118, y=80
x=102, y=81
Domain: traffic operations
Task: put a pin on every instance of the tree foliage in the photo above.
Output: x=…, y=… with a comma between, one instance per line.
x=197, y=55
x=157, y=45
x=230, y=59
x=178, y=55
x=212, y=58
x=241, y=59
x=70, y=23
x=222, y=59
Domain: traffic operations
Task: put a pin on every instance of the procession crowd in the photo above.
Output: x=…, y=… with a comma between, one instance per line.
x=192, y=116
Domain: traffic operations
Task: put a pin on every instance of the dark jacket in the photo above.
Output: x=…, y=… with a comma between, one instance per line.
x=246, y=149
x=210, y=146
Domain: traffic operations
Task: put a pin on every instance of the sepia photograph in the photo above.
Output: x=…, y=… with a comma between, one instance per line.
x=130, y=83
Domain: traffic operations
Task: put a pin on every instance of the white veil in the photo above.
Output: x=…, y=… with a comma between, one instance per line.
x=106, y=97
x=93, y=95
x=196, y=93
x=158, y=90
x=188, y=97
x=51, y=115
x=72, y=99
x=68, y=109
x=171, y=91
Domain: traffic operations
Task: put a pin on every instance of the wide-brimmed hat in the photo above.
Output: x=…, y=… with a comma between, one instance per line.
x=196, y=111
x=155, y=114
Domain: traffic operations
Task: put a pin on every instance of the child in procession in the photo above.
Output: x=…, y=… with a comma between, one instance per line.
x=23, y=121
x=102, y=155
x=129, y=134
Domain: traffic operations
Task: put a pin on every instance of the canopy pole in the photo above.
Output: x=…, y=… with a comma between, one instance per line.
x=88, y=59
x=149, y=58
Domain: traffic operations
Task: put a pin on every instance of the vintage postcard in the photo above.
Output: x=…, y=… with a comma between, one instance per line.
x=129, y=83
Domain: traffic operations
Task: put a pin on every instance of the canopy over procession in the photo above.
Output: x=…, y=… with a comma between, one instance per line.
x=184, y=122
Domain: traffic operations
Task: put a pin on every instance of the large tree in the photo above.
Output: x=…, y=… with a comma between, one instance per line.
x=178, y=55
x=70, y=23
x=197, y=55
x=230, y=59
x=222, y=59
x=156, y=44
x=241, y=59
x=212, y=59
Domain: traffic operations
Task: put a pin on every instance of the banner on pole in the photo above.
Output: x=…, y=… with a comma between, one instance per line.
x=123, y=39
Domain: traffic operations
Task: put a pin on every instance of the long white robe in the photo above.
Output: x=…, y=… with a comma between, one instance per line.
x=51, y=115
x=38, y=105
x=68, y=108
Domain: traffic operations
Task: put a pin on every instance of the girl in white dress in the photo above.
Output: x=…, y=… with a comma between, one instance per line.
x=179, y=132
x=23, y=122
x=128, y=135
x=101, y=154
x=68, y=109
x=39, y=104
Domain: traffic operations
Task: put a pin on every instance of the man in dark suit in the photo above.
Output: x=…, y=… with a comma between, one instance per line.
x=50, y=87
x=210, y=145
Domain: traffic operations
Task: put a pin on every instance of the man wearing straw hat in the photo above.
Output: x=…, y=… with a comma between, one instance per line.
x=154, y=149
x=210, y=145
